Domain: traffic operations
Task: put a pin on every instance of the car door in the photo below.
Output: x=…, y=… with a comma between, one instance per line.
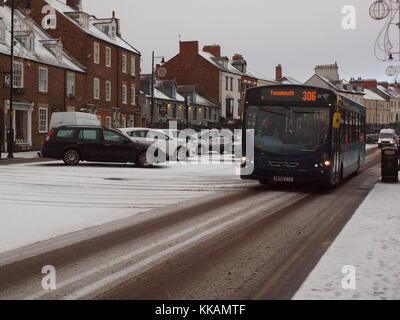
x=91, y=144
x=119, y=148
x=138, y=135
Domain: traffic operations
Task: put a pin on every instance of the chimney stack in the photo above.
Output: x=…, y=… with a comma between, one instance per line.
x=384, y=84
x=189, y=47
x=213, y=49
x=237, y=57
x=75, y=4
x=278, y=72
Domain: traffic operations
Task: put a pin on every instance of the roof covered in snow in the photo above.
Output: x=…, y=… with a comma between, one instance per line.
x=42, y=52
x=391, y=92
x=371, y=95
x=92, y=30
x=214, y=61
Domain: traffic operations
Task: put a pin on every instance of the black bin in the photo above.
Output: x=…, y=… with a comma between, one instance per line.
x=390, y=164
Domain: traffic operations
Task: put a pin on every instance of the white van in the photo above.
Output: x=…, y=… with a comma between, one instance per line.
x=387, y=137
x=59, y=119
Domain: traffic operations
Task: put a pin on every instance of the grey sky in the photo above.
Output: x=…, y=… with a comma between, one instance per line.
x=295, y=33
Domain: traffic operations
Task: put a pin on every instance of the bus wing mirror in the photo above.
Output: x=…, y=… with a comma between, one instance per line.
x=336, y=120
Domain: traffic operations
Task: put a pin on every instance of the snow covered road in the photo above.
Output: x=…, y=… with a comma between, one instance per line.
x=40, y=201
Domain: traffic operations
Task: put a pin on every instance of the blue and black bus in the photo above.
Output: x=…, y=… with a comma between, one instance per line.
x=302, y=134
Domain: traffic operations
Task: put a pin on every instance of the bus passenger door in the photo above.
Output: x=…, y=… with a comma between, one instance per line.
x=336, y=154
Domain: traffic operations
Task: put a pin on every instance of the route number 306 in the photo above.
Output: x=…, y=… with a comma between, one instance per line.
x=309, y=96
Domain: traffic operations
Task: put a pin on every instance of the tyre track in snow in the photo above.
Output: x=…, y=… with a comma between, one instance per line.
x=169, y=253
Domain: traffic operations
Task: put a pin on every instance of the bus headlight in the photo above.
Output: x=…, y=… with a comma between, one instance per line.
x=327, y=163
x=244, y=159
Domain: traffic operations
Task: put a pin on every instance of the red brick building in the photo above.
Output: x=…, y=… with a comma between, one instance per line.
x=44, y=73
x=214, y=76
x=248, y=79
x=113, y=66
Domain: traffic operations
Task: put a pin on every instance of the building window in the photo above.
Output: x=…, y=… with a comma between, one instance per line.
x=43, y=79
x=18, y=75
x=124, y=94
x=123, y=63
x=239, y=85
x=108, y=122
x=28, y=42
x=43, y=120
x=2, y=35
x=229, y=108
x=231, y=84
x=240, y=107
x=205, y=113
x=133, y=95
x=70, y=84
x=108, y=57
x=96, y=85
x=123, y=122
x=96, y=53
x=226, y=83
x=209, y=113
x=108, y=90
x=133, y=66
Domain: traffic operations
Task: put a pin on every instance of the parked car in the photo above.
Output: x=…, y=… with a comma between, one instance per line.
x=372, y=138
x=209, y=140
x=147, y=135
x=73, y=144
x=59, y=119
x=387, y=137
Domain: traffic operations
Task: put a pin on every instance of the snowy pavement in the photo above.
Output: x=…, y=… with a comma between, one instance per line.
x=363, y=263
x=39, y=201
x=370, y=146
x=22, y=155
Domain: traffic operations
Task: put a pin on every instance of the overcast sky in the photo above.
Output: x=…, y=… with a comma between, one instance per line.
x=297, y=34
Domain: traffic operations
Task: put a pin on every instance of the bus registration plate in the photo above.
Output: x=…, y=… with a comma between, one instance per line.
x=283, y=179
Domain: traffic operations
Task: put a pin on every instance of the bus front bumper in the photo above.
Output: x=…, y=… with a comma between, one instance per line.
x=320, y=175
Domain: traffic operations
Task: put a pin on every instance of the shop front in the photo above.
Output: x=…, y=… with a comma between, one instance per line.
x=22, y=124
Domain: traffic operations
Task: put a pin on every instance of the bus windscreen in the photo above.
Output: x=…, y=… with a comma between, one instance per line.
x=287, y=130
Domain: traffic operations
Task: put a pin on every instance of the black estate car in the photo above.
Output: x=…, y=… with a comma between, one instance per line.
x=91, y=143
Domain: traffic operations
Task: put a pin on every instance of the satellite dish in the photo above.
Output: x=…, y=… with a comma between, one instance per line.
x=391, y=71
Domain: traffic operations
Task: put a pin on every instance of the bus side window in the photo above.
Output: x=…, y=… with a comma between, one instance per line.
x=345, y=127
x=351, y=127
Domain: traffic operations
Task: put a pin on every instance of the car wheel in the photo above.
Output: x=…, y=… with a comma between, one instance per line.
x=182, y=154
x=201, y=150
x=71, y=157
x=142, y=160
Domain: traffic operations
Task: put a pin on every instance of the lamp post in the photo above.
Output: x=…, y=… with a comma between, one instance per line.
x=10, y=143
x=152, y=86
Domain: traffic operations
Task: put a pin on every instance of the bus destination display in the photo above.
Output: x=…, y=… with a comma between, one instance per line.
x=295, y=95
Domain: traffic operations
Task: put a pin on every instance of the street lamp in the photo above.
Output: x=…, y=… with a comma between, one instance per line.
x=152, y=86
x=10, y=142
